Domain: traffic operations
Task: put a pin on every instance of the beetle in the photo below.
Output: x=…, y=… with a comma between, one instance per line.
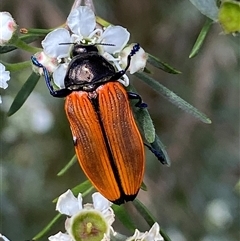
x=108, y=144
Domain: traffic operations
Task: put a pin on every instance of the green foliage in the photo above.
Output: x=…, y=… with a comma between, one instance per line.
x=24, y=93
x=228, y=9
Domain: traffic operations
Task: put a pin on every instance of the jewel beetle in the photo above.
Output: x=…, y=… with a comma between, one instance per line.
x=108, y=144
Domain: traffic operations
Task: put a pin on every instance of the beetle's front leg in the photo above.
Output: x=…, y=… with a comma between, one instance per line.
x=48, y=79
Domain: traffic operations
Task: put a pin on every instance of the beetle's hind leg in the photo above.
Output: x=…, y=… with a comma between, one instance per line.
x=134, y=96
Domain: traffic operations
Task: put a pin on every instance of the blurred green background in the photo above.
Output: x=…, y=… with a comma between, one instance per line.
x=194, y=199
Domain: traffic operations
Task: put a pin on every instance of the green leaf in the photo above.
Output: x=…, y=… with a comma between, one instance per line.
x=26, y=38
x=145, y=123
x=117, y=237
x=237, y=188
x=143, y=119
x=160, y=148
x=143, y=186
x=161, y=65
x=145, y=213
x=207, y=7
x=17, y=66
x=124, y=217
x=201, y=37
x=23, y=93
x=173, y=98
x=84, y=188
x=48, y=227
x=229, y=16
x=69, y=164
x=102, y=22
x=146, y=127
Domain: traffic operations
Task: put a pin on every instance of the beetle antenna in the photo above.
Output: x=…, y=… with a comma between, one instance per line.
x=134, y=50
x=120, y=73
x=105, y=44
x=65, y=43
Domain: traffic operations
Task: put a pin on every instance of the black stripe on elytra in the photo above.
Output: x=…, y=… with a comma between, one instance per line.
x=123, y=196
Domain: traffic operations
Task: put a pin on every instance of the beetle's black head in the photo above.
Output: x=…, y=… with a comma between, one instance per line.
x=81, y=48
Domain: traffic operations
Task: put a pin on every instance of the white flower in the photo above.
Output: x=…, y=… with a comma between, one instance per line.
x=52, y=43
x=7, y=27
x=116, y=35
x=60, y=237
x=81, y=21
x=138, y=61
x=4, y=77
x=3, y=238
x=151, y=235
x=84, y=222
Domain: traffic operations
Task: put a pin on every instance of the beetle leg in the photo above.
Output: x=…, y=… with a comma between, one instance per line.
x=135, y=96
x=56, y=93
x=158, y=153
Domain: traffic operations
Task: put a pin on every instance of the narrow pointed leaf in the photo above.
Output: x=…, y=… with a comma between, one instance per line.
x=143, y=119
x=145, y=213
x=17, y=66
x=160, y=148
x=124, y=217
x=48, y=227
x=118, y=237
x=69, y=164
x=102, y=22
x=173, y=98
x=146, y=127
x=23, y=93
x=145, y=122
x=84, y=188
x=201, y=38
x=162, y=65
x=237, y=188
x=143, y=186
x=26, y=38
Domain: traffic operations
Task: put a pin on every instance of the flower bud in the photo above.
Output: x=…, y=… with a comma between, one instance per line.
x=138, y=60
x=7, y=28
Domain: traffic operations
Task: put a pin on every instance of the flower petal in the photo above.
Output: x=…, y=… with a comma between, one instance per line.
x=7, y=27
x=51, y=43
x=67, y=203
x=136, y=236
x=138, y=60
x=82, y=21
x=153, y=234
x=60, y=237
x=59, y=75
x=4, y=76
x=116, y=35
x=100, y=203
x=4, y=238
x=49, y=63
